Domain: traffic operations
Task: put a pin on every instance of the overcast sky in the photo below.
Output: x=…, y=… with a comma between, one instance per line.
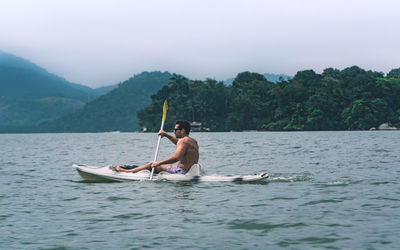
x=97, y=43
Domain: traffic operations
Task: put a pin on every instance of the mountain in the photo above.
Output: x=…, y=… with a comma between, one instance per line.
x=115, y=111
x=104, y=90
x=12, y=61
x=14, y=65
x=270, y=77
x=276, y=77
x=29, y=95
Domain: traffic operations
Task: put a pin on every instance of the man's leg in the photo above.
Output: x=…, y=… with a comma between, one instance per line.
x=119, y=169
x=164, y=167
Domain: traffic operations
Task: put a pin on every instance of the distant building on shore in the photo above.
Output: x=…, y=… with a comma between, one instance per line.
x=386, y=126
x=196, y=126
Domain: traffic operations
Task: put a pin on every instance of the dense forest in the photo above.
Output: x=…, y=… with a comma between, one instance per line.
x=351, y=98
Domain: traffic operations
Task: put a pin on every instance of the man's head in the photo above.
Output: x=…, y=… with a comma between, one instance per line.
x=182, y=128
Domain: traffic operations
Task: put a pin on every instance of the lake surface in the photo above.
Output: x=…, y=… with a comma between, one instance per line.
x=336, y=190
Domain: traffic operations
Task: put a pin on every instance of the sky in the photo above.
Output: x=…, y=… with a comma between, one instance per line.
x=98, y=42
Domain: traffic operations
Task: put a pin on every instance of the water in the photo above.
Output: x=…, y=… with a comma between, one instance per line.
x=336, y=190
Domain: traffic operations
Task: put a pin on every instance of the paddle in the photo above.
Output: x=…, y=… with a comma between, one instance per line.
x=165, y=108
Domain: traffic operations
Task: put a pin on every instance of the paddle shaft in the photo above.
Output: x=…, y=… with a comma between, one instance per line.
x=165, y=108
x=157, y=149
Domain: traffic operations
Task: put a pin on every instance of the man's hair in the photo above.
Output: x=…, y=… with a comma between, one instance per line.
x=184, y=125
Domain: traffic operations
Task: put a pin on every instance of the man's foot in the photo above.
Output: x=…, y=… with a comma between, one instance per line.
x=116, y=168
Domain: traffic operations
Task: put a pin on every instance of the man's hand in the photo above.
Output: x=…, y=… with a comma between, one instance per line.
x=155, y=164
x=162, y=133
x=118, y=169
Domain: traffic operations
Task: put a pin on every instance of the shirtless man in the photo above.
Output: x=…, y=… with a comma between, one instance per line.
x=186, y=153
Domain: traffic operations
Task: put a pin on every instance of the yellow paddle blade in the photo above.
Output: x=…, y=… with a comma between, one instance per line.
x=165, y=108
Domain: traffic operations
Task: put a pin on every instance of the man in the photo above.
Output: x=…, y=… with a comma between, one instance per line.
x=186, y=153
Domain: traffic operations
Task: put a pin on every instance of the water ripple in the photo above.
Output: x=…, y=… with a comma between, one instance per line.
x=265, y=227
x=311, y=203
x=332, y=190
x=276, y=177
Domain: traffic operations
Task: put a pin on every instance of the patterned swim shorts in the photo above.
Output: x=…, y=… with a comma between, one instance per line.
x=175, y=170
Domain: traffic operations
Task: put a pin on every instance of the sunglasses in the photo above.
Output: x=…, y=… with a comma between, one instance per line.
x=175, y=129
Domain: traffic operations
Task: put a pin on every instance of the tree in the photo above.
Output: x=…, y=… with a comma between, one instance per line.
x=394, y=73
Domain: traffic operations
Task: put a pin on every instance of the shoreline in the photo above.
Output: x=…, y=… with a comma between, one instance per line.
x=245, y=131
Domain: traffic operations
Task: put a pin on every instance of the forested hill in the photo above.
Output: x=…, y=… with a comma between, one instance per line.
x=29, y=95
x=115, y=111
x=352, y=98
x=33, y=100
x=22, y=78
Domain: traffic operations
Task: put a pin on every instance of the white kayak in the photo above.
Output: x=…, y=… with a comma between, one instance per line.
x=94, y=173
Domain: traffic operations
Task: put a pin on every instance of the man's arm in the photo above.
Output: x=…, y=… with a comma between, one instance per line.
x=179, y=152
x=172, y=138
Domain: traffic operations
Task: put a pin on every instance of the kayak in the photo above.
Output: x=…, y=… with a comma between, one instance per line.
x=95, y=173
